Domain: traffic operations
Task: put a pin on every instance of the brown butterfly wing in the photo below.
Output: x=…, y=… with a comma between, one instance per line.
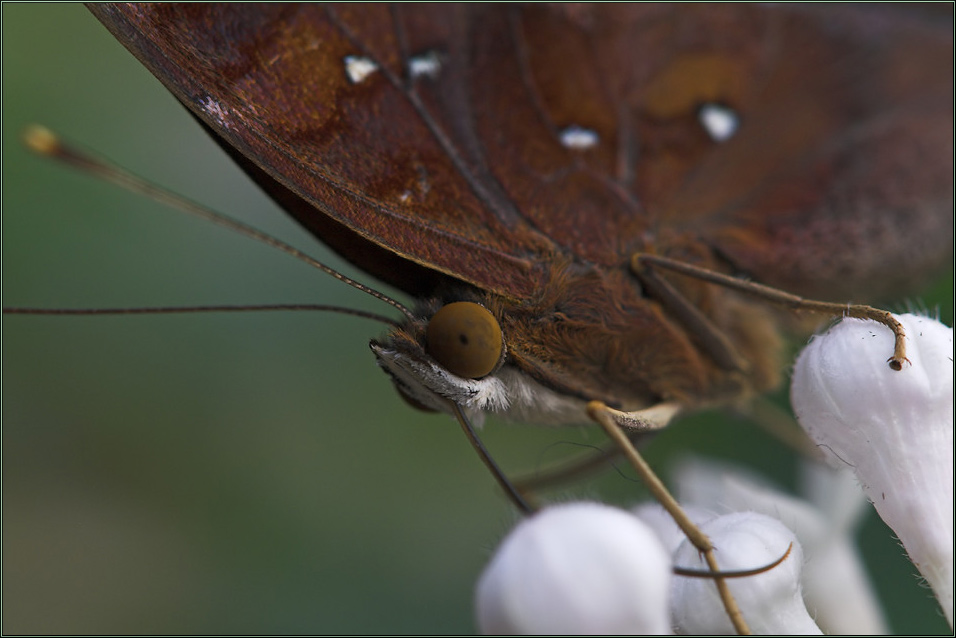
x=839, y=182
x=271, y=81
x=841, y=167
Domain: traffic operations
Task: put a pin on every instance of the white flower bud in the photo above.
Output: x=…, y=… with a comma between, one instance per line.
x=836, y=589
x=663, y=524
x=893, y=428
x=578, y=568
x=771, y=602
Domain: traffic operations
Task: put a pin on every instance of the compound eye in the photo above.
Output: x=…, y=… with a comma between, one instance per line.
x=465, y=338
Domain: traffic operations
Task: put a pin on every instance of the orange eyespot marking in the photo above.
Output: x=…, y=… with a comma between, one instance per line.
x=691, y=80
x=465, y=338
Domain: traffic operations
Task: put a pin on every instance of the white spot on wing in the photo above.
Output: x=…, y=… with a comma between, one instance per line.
x=217, y=111
x=426, y=64
x=357, y=68
x=578, y=138
x=719, y=121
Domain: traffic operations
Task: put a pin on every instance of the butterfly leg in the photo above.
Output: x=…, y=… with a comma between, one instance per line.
x=606, y=418
x=567, y=471
x=639, y=263
x=521, y=492
x=635, y=424
x=656, y=417
x=708, y=336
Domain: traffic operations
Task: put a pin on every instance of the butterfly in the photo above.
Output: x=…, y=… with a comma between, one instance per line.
x=412, y=183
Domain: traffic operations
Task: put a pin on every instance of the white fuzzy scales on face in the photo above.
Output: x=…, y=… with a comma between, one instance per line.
x=508, y=393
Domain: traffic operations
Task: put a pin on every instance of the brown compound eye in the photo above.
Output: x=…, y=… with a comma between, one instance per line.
x=465, y=338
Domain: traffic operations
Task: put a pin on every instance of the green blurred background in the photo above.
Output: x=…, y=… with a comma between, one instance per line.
x=236, y=473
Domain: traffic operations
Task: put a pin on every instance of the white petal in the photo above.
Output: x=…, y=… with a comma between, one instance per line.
x=663, y=524
x=578, y=568
x=836, y=492
x=836, y=589
x=770, y=602
x=893, y=428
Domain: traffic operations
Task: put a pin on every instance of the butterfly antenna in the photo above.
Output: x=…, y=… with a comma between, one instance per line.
x=46, y=143
x=168, y=310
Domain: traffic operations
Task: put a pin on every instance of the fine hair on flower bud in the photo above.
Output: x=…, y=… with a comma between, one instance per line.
x=894, y=429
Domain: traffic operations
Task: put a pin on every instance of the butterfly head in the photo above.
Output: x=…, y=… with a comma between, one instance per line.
x=458, y=355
